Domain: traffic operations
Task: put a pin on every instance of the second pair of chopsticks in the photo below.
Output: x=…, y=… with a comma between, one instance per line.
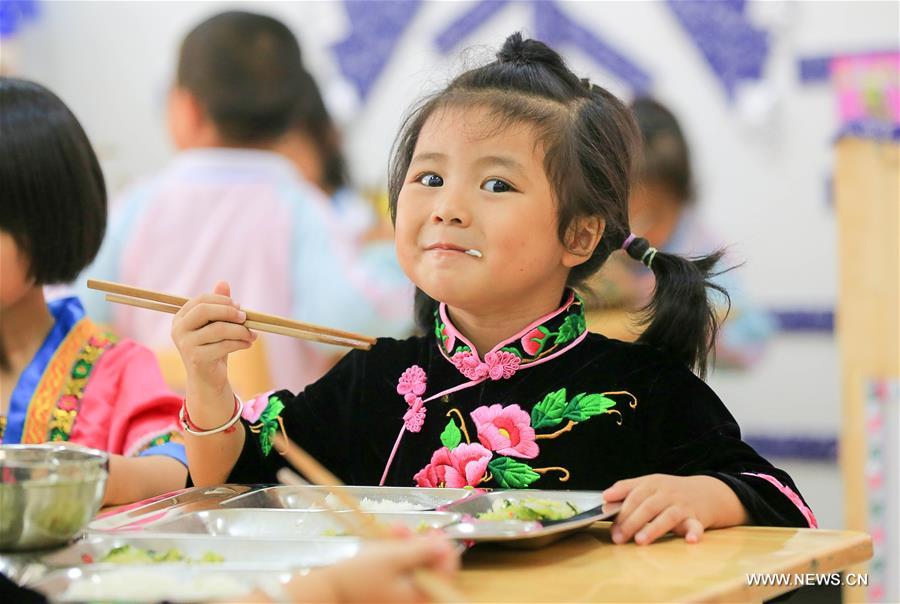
x=162, y=302
x=435, y=586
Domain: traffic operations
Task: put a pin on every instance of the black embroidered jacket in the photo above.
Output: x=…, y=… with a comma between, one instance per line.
x=554, y=407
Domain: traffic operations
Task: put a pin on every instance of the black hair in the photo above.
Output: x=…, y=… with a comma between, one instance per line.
x=54, y=196
x=245, y=70
x=590, y=143
x=665, y=158
x=311, y=117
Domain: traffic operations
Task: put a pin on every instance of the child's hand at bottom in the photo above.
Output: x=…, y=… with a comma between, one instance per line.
x=382, y=572
x=685, y=505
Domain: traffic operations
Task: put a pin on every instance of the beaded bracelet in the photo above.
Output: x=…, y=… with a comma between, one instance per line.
x=191, y=428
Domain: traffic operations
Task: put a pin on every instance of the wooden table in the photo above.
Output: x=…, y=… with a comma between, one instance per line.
x=587, y=567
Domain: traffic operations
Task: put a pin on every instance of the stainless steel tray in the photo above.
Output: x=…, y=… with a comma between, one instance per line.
x=371, y=498
x=173, y=583
x=135, y=516
x=288, y=524
x=526, y=533
x=268, y=555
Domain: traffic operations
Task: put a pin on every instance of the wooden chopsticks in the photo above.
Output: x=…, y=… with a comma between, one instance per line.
x=435, y=586
x=162, y=302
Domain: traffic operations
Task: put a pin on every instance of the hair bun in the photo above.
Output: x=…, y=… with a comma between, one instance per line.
x=523, y=51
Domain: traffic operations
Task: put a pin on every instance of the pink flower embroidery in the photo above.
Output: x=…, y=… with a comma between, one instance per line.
x=68, y=402
x=463, y=466
x=506, y=430
x=415, y=416
x=255, y=407
x=496, y=365
x=532, y=341
x=412, y=382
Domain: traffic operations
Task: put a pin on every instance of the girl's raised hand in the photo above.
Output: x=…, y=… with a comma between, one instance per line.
x=685, y=505
x=206, y=330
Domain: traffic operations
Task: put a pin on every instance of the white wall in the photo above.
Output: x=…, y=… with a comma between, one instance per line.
x=762, y=186
x=762, y=174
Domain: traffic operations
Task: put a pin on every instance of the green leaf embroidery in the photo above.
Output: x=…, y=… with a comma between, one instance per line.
x=461, y=348
x=570, y=329
x=513, y=350
x=451, y=436
x=512, y=474
x=268, y=422
x=272, y=411
x=439, y=332
x=588, y=406
x=549, y=412
x=572, y=408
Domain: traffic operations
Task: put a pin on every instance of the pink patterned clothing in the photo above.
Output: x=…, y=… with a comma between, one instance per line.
x=87, y=387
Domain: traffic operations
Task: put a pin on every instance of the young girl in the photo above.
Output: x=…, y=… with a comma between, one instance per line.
x=62, y=378
x=508, y=188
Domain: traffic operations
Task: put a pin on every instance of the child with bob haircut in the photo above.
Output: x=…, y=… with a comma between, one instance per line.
x=63, y=378
x=508, y=189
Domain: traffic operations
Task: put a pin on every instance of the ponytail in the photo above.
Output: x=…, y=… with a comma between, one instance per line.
x=680, y=318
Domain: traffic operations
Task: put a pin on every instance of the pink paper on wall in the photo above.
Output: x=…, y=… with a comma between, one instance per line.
x=868, y=87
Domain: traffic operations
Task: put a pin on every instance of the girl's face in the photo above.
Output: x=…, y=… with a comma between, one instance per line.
x=14, y=279
x=473, y=186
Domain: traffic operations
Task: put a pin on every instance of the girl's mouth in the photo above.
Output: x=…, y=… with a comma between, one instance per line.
x=450, y=247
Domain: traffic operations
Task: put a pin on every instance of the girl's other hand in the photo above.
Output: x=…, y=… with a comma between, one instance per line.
x=206, y=330
x=685, y=505
x=383, y=572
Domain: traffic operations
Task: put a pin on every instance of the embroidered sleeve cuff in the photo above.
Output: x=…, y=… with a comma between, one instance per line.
x=765, y=505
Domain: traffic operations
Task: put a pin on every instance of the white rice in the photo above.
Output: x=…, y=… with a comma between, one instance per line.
x=153, y=586
x=377, y=505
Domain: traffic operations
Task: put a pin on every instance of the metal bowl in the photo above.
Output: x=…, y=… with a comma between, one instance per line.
x=48, y=493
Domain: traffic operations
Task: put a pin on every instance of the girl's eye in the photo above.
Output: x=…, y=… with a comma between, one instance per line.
x=495, y=185
x=431, y=180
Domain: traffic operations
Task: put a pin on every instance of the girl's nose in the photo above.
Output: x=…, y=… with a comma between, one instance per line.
x=451, y=209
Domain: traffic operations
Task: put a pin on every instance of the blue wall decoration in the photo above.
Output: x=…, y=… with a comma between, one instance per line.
x=13, y=13
x=733, y=47
x=553, y=26
x=448, y=39
x=375, y=29
x=813, y=70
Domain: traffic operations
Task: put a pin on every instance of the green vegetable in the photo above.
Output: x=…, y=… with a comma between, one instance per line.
x=64, y=514
x=530, y=508
x=128, y=554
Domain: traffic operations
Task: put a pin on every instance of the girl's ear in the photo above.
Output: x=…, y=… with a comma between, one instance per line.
x=582, y=238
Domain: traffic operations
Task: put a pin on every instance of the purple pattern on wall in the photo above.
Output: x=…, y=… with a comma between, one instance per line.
x=13, y=13
x=804, y=320
x=731, y=45
x=810, y=448
x=814, y=69
x=553, y=26
x=871, y=130
x=375, y=29
x=469, y=22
